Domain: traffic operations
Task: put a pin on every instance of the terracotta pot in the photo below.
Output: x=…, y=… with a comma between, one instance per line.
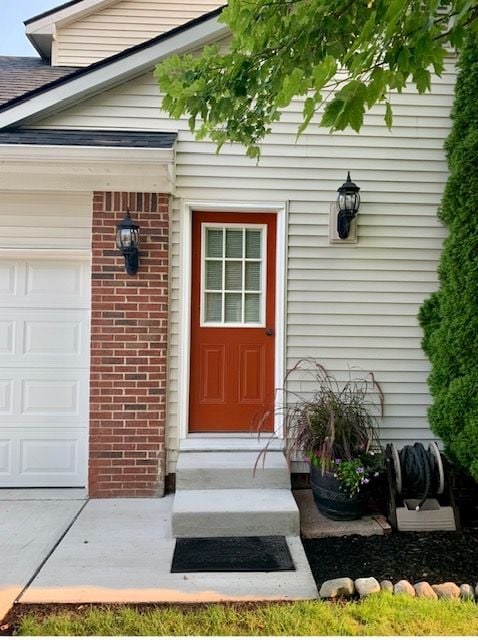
x=331, y=500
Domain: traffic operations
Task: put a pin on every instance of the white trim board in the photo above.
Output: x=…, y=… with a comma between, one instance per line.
x=75, y=168
x=187, y=207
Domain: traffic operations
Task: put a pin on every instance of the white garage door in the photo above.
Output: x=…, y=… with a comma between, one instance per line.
x=44, y=372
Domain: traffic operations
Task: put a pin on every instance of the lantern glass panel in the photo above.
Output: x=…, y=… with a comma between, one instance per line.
x=127, y=238
x=348, y=201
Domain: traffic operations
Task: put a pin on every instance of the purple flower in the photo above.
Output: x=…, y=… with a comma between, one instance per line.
x=360, y=469
x=365, y=481
x=318, y=453
x=337, y=460
x=376, y=474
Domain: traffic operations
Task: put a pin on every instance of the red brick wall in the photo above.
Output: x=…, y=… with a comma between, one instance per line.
x=129, y=328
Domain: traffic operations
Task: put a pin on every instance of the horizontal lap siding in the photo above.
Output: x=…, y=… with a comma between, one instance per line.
x=45, y=220
x=123, y=25
x=348, y=305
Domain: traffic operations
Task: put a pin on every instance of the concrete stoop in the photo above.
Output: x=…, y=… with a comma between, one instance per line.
x=223, y=491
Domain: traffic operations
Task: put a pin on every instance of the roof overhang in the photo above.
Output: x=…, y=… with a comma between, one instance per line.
x=112, y=71
x=41, y=29
x=75, y=168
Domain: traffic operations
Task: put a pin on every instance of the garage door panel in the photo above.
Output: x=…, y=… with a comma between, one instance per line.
x=6, y=397
x=31, y=396
x=7, y=337
x=43, y=458
x=46, y=279
x=5, y=457
x=48, y=456
x=44, y=337
x=51, y=338
x=50, y=397
x=8, y=278
x=44, y=284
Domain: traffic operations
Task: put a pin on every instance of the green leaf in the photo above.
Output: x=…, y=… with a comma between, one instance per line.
x=376, y=86
x=324, y=72
x=422, y=79
x=388, y=115
x=332, y=112
x=308, y=113
x=393, y=13
x=292, y=86
x=356, y=112
x=403, y=59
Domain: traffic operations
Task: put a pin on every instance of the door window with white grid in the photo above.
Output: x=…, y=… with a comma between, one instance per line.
x=233, y=275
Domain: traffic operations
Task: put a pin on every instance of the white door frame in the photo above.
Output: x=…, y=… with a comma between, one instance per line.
x=185, y=239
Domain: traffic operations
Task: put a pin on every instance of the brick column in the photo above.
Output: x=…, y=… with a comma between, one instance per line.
x=129, y=330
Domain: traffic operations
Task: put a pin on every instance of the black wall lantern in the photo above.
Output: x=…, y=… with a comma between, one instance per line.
x=348, y=203
x=127, y=241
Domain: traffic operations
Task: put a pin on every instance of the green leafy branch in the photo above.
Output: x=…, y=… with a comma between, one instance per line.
x=341, y=58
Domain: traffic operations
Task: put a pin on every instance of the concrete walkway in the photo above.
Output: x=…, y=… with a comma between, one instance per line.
x=29, y=530
x=121, y=551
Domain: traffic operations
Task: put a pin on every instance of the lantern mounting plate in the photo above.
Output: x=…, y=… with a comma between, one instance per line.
x=334, y=234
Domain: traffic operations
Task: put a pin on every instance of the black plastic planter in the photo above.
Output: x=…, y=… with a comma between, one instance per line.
x=331, y=500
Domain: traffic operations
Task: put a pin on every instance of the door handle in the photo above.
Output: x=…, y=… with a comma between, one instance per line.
x=269, y=332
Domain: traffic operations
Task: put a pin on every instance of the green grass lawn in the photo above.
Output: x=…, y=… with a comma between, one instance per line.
x=380, y=615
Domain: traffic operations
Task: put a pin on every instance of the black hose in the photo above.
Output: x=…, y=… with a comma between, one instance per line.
x=420, y=475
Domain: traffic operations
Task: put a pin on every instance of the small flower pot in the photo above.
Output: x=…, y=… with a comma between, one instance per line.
x=331, y=500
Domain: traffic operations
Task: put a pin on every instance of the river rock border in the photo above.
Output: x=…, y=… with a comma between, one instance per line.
x=363, y=587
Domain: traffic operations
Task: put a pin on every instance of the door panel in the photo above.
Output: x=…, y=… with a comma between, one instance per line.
x=232, y=321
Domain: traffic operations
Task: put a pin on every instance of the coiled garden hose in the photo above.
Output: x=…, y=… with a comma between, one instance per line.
x=418, y=474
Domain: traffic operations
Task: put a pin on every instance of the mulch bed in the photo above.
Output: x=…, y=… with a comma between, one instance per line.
x=433, y=556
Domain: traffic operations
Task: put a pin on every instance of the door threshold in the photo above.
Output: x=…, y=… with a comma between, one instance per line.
x=230, y=442
x=247, y=435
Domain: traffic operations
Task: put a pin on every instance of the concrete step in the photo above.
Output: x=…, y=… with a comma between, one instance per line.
x=234, y=512
x=231, y=470
x=246, y=442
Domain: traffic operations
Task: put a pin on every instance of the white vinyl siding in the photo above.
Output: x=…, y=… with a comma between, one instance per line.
x=348, y=305
x=45, y=220
x=121, y=26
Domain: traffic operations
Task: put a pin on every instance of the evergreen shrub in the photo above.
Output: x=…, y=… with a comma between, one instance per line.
x=449, y=318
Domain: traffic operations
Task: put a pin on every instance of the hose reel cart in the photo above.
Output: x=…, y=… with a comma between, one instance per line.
x=420, y=497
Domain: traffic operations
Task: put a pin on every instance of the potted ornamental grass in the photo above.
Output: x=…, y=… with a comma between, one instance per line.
x=333, y=426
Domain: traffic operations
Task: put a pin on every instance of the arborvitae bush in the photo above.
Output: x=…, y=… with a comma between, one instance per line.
x=450, y=316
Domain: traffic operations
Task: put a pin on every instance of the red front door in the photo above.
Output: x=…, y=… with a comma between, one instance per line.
x=232, y=321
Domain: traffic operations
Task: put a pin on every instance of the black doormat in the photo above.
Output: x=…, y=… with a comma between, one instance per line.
x=252, y=553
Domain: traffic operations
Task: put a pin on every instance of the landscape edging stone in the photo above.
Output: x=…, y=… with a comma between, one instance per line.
x=346, y=587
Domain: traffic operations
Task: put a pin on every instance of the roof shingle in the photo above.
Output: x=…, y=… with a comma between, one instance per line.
x=20, y=75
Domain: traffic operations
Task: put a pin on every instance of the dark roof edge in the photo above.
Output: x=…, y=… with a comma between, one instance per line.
x=117, y=56
x=51, y=11
x=105, y=138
